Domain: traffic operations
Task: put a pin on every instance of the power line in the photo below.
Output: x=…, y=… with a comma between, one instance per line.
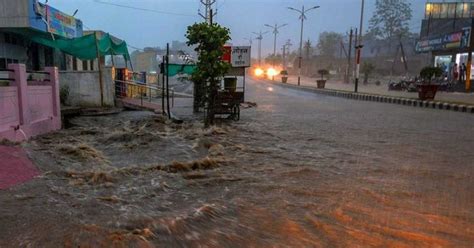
x=143, y=9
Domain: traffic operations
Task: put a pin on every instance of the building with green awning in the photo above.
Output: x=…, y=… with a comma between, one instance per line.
x=39, y=35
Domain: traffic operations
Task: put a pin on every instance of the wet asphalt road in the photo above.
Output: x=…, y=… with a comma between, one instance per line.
x=367, y=173
x=298, y=170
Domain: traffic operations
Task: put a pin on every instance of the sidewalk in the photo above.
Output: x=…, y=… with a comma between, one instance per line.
x=15, y=167
x=450, y=97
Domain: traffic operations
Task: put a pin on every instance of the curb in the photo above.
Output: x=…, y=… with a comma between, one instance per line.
x=466, y=108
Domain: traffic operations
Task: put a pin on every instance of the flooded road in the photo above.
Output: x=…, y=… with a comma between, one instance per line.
x=299, y=170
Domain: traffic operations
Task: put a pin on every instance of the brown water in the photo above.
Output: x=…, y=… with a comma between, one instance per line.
x=299, y=170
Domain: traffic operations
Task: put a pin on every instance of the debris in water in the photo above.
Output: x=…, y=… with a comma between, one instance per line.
x=98, y=177
x=83, y=152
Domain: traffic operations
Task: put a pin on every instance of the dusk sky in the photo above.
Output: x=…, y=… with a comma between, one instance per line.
x=149, y=28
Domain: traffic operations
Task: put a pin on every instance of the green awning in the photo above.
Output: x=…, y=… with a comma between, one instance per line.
x=84, y=48
x=175, y=69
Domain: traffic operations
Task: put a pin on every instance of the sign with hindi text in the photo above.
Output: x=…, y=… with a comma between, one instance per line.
x=240, y=56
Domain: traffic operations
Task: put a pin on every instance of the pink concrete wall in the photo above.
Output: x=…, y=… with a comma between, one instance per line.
x=29, y=110
x=9, y=113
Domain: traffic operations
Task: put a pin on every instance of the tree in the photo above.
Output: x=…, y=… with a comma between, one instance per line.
x=307, y=49
x=210, y=69
x=390, y=18
x=328, y=43
x=367, y=69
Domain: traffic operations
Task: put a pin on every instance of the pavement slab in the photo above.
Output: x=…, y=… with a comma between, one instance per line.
x=15, y=167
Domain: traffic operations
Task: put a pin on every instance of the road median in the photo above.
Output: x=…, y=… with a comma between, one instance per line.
x=435, y=104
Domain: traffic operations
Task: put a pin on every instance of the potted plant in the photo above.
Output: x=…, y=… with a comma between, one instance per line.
x=322, y=82
x=427, y=91
x=284, y=76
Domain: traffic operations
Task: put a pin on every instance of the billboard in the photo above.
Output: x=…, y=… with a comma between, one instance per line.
x=454, y=40
x=51, y=20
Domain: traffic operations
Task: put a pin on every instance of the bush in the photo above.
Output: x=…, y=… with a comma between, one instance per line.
x=323, y=72
x=428, y=72
x=284, y=72
x=63, y=94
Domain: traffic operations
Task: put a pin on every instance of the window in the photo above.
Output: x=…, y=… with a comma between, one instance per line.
x=3, y=63
x=48, y=56
x=74, y=63
x=85, y=65
x=91, y=65
x=444, y=11
x=451, y=10
x=10, y=39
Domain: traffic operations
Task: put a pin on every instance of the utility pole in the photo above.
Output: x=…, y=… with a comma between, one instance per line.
x=286, y=50
x=359, y=47
x=250, y=40
x=208, y=15
x=283, y=57
x=349, y=66
x=259, y=38
x=302, y=17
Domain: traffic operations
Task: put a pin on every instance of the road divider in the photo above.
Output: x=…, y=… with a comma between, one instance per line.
x=458, y=107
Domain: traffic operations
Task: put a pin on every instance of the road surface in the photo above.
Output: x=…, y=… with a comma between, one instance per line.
x=299, y=170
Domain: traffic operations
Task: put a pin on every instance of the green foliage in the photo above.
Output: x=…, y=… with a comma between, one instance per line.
x=63, y=94
x=308, y=50
x=328, y=43
x=367, y=68
x=270, y=59
x=390, y=18
x=323, y=72
x=429, y=72
x=209, y=40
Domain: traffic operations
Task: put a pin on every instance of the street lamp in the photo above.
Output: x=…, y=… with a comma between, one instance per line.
x=302, y=13
x=275, y=33
x=259, y=38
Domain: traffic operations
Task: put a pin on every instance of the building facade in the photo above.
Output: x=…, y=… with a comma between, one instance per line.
x=446, y=33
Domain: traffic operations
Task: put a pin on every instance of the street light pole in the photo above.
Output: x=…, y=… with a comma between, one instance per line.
x=259, y=38
x=275, y=33
x=302, y=13
x=359, y=48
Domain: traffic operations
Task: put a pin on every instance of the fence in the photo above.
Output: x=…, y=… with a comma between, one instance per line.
x=29, y=102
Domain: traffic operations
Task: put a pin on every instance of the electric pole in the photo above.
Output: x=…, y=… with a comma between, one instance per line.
x=208, y=15
x=359, y=47
x=250, y=40
x=286, y=50
x=259, y=38
x=302, y=17
x=349, y=66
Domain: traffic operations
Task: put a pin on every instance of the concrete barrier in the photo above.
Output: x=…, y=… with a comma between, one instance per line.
x=84, y=87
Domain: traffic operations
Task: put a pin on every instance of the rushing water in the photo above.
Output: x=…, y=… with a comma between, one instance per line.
x=299, y=170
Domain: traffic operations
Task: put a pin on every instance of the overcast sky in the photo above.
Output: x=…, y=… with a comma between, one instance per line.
x=147, y=28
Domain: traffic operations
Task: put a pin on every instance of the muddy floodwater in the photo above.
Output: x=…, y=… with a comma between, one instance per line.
x=299, y=170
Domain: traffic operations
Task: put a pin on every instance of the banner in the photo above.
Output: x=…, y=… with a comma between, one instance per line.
x=454, y=40
x=58, y=22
